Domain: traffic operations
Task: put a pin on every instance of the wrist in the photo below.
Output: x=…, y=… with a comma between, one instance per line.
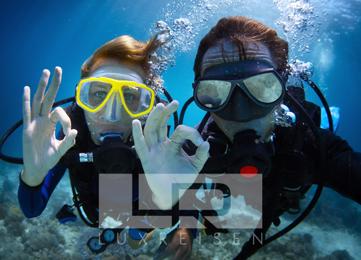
x=31, y=178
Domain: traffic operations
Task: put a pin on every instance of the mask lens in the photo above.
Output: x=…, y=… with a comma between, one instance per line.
x=213, y=93
x=136, y=98
x=93, y=93
x=265, y=87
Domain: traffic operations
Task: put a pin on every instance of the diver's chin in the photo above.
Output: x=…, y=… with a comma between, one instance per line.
x=262, y=127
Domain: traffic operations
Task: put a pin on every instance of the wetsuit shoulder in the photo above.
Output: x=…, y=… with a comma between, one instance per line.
x=343, y=166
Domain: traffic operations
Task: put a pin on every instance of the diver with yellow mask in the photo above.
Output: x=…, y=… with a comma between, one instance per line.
x=115, y=88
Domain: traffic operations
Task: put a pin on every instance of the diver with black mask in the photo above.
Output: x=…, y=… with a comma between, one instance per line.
x=116, y=87
x=257, y=125
x=239, y=87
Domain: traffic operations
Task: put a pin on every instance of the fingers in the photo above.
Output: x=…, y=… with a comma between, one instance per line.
x=152, y=125
x=51, y=93
x=139, y=141
x=67, y=142
x=39, y=95
x=183, y=133
x=201, y=156
x=169, y=110
x=59, y=115
x=26, y=107
x=155, y=129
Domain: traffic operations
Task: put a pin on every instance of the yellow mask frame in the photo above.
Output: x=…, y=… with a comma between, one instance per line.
x=116, y=86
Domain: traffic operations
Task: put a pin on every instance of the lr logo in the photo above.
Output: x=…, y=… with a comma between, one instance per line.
x=229, y=201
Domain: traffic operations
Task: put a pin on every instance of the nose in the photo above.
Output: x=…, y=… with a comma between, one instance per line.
x=113, y=109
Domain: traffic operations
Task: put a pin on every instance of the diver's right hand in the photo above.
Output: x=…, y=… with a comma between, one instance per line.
x=41, y=149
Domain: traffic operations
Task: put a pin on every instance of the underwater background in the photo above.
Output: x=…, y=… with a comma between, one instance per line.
x=324, y=37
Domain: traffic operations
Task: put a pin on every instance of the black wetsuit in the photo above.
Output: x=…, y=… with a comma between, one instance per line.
x=340, y=169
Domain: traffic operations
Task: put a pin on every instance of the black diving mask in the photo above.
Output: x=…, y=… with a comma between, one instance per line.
x=239, y=91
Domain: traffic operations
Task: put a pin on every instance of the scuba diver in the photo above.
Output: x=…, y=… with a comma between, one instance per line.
x=116, y=86
x=256, y=123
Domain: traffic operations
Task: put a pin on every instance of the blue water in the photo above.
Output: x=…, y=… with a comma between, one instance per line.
x=44, y=34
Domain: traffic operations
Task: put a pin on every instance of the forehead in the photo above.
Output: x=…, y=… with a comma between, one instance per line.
x=120, y=70
x=227, y=51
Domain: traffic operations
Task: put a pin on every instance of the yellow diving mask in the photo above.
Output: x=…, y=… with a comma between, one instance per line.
x=93, y=94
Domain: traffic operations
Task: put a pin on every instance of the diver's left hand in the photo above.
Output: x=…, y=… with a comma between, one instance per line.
x=164, y=161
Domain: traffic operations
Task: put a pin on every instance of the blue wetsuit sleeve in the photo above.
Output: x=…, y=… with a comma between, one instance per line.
x=33, y=200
